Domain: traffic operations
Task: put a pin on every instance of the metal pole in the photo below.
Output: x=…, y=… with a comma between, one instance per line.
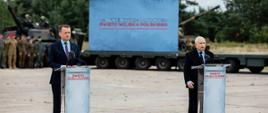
x=63, y=72
x=200, y=86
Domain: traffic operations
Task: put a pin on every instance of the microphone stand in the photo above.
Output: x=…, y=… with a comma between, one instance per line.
x=71, y=56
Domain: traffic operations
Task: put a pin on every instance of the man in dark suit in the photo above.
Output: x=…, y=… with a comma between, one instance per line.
x=196, y=57
x=59, y=56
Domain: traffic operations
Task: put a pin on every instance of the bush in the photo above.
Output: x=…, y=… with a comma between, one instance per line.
x=259, y=36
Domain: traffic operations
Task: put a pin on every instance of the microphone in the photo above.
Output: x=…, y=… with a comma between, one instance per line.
x=71, y=55
x=71, y=58
x=74, y=60
x=208, y=59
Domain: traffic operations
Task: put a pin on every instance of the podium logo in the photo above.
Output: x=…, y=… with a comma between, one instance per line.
x=78, y=77
x=214, y=74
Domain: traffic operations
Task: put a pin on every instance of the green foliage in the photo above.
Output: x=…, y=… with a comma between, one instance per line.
x=207, y=25
x=5, y=17
x=260, y=36
x=72, y=12
x=243, y=21
x=248, y=19
x=251, y=11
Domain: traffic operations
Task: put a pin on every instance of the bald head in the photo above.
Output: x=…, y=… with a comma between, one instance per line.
x=200, y=43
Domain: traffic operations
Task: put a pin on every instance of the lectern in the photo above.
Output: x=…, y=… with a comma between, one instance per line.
x=75, y=89
x=211, y=87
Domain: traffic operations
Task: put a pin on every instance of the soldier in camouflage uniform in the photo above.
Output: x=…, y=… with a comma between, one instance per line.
x=5, y=52
x=12, y=52
x=31, y=54
x=40, y=53
x=2, y=46
x=22, y=43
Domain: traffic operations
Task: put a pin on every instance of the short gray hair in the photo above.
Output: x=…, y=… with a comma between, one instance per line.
x=199, y=38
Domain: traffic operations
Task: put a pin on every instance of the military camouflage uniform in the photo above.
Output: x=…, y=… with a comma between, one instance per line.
x=31, y=54
x=40, y=52
x=22, y=43
x=2, y=47
x=12, y=52
x=4, y=60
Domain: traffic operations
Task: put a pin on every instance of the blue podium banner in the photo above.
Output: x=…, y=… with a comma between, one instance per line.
x=77, y=90
x=214, y=89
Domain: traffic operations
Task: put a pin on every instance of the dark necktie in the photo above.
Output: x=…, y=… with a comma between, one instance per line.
x=201, y=57
x=66, y=50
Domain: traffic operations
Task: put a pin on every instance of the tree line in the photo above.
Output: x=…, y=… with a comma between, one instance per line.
x=243, y=20
x=72, y=12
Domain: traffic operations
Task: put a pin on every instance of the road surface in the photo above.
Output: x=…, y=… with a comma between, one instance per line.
x=129, y=91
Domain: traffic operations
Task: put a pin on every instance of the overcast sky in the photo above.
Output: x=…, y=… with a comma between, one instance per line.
x=209, y=4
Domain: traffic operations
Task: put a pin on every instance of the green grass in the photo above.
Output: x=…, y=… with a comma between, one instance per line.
x=229, y=47
x=235, y=47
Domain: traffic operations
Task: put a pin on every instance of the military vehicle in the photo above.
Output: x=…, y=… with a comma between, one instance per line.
x=31, y=31
x=24, y=27
x=131, y=38
x=39, y=31
x=254, y=62
x=186, y=41
x=122, y=42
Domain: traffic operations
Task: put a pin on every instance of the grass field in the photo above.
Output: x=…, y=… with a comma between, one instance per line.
x=234, y=47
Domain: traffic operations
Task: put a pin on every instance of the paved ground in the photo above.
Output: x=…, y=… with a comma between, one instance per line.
x=129, y=91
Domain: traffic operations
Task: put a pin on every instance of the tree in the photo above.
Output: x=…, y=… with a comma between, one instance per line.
x=5, y=17
x=252, y=11
x=72, y=12
x=207, y=25
x=252, y=16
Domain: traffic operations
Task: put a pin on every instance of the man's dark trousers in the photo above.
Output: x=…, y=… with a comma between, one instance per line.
x=56, y=90
x=193, y=100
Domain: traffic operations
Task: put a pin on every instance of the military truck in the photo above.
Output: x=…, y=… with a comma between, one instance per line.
x=140, y=34
x=123, y=39
x=134, y=34
x=254, y=62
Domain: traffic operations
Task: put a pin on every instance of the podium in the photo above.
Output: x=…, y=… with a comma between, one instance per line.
x=75, y=87
x=211, y=87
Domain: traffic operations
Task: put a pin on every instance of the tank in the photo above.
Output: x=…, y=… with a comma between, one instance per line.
x=197, y=16
x=186, y=42
x=40, y=30
x=35, y=37
x=27, y=28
